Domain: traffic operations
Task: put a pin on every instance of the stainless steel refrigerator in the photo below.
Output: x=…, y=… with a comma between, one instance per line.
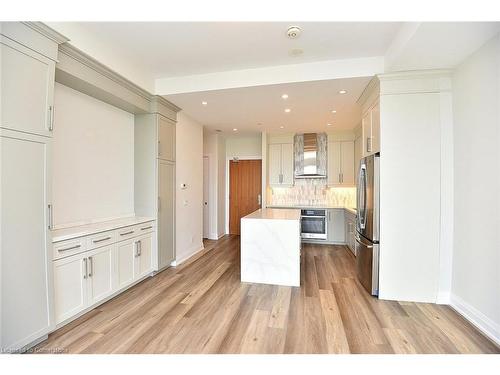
x=367, y=223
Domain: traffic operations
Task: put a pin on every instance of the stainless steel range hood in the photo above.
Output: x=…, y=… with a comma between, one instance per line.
x=310, y=155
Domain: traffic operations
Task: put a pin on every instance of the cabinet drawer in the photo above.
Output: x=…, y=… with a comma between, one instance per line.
x=127, y=232
x=102, y=239
x=70, y=247
x=145, y=228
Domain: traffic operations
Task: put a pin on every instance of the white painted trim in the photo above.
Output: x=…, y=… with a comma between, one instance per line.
x=178, y=262
x=443, y=298
x=228, y=158
x=487, y=326
x=213, y=236
x=271, y=75
x=412, y=82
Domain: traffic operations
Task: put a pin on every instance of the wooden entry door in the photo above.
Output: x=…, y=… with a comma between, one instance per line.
x=245, y=190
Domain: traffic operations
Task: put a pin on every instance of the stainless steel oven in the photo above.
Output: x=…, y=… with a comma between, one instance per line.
x=313, y=224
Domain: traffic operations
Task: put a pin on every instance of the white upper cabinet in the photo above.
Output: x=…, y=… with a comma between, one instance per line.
x=166, y=138
x=341, y=163
x=27, y=87
x=280, y=164
x=371, y=130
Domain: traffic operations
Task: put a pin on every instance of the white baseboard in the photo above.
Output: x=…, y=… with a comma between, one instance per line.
x=443, y=298
x=190, y=253
x=476, y=318
x=213, y=236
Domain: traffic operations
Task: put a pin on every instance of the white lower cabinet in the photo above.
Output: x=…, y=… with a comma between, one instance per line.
x=335, y=222
x=83, y=280
x=70, y=286
x=350, y=222
x=100, y=274
x=143, y=257
x=126, y=262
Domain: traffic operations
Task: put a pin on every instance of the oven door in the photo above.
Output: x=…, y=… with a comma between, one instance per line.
x=314, y=227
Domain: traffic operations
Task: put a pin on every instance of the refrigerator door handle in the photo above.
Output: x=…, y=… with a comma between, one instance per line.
x=358, y=240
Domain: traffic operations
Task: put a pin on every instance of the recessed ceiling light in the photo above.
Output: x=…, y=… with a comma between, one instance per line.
x=334, y=111
x=204, y=103
x=342, y=92
x=282, y=127
x=284, y=96
x=235, y=130
x=287, y=110
x=328, y=124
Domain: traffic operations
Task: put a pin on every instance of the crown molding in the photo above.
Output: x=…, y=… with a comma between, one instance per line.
x=161, y=100
x=418, y=81
x=46, y=31
x=370, y=92
x=102, y=69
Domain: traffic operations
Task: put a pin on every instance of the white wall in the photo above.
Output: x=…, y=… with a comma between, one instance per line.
x=93, y=159
x=244, y=146
x=189, y=201
x=415, y=243
x=476, y=257
x=221, y=183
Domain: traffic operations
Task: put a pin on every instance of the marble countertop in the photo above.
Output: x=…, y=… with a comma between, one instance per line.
x=275, y=214
x=88, y=229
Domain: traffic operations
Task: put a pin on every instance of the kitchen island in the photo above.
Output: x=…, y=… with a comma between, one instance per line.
x=270, y=247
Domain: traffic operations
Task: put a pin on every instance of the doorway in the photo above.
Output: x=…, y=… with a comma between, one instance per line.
x=206, y=197
x=245, y=190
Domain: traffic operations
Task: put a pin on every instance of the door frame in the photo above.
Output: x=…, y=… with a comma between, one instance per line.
x=228, y=159
x=209, y=198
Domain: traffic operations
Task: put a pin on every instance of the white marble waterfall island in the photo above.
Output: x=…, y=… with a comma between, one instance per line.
x=270, y=247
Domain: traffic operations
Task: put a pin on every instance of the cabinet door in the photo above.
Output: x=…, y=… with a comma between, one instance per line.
x=100, y=263
x=274, y=160
x=287, y=163
x=144, y=259
x=334, y=163
x=336, y=227
x=125, y=260
x=27, y=88
x=166, y=211
x=347, y=159
x=26, y=265
x=375, y=142
x=70, y=286
x=367, y=132
x=166, y=139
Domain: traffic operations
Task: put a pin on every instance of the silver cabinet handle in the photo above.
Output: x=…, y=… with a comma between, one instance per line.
x=91, y=261
x=70, y=248
x=126, y=233
x=139, y=247
x=136, y=249
x=146, y=228
x=85, y=264
x=369, y=144
x=159, y=148
x=101, y=239
x=51, y=118
x=51, y=217
x=159, y=204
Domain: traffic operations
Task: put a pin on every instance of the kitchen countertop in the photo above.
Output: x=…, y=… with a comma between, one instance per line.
x=275, y=214
x=93, y=228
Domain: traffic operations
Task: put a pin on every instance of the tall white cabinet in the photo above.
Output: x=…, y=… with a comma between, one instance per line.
x=28, y=56
x=155, y=179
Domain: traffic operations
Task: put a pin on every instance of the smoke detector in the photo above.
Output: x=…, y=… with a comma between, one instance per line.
x=293, y=32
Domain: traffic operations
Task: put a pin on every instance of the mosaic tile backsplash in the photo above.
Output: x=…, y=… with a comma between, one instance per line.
x=311, y=192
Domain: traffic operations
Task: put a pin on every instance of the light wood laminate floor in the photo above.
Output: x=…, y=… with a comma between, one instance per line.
x=202, y=307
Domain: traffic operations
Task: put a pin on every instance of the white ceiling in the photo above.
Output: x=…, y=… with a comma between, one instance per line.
x=311, y=104
x=169, y=49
